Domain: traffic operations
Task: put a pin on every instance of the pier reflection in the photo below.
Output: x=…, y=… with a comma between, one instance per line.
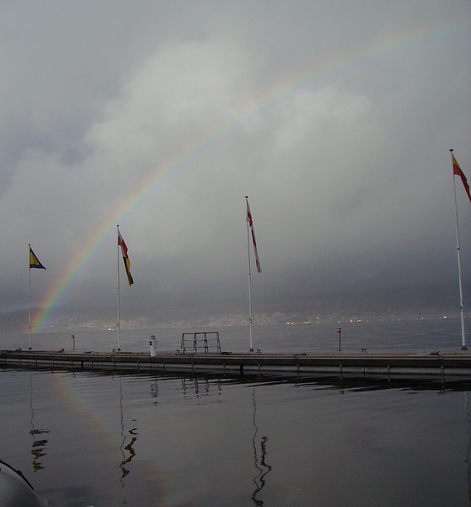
x=38, y=446
x=260, y=463
x=154, y=391
x=195, y=384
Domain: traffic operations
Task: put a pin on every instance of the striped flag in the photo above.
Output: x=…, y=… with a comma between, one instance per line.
x=458, y=172
x=127, y=262
x=254, y=242
x=34, y=262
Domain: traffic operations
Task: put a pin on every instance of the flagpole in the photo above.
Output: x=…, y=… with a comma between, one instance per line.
x=119, y=309
x=458, y=254
x=250, y=276
x=29, y=295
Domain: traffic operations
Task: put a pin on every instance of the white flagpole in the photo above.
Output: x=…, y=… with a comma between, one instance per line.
x=29, y=295
x=250, y=274
x=119, y=309
x=458, y=254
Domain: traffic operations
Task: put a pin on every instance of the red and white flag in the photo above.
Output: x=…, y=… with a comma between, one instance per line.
x=254, y=242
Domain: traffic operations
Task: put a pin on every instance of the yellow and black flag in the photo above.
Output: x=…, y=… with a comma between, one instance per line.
x=34, y=262
x=127, y=263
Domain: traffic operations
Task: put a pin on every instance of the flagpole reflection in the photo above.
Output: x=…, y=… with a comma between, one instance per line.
x=127, y=449
x=261, y=465
x=38, y=446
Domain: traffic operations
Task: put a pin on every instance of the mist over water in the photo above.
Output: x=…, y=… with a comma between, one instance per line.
x=305, y=336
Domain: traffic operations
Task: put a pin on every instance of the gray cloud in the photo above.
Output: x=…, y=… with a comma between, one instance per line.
x=336, y=120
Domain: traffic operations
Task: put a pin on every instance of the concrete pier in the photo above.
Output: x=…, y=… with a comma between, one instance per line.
x=352, y=364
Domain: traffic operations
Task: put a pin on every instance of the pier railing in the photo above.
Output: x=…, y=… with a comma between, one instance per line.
x=203, y=341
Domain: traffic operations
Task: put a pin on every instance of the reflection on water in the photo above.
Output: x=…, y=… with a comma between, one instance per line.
x=154, y=391
x=39, y=445
x=127, y=443
x=200, y=385
x=261, y=466
x=170, y=430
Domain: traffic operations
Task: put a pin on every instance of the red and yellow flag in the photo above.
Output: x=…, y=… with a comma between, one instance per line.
x=458, y=172
x=127, y=262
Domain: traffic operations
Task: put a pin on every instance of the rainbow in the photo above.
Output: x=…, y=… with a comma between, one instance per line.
x=265, y=98
x=71, y=391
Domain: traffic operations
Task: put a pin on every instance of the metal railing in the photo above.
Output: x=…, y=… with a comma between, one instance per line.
x=203, y=341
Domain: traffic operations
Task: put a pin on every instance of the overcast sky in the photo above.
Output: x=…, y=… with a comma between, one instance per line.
x=334, y=117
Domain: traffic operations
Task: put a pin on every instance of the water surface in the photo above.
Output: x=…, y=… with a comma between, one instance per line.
x=166, y=440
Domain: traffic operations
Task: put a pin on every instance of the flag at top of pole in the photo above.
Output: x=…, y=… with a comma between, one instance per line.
x=458, y=172
x=127, y=262
x=252, y=231
x=34, y=262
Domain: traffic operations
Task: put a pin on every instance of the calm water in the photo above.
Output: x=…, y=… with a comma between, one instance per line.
x=107, y=440
x=429, y=334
